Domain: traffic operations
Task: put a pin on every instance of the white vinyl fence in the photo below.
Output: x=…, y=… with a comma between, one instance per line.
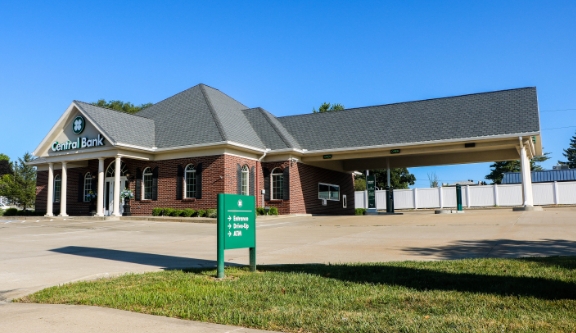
x=474, y=196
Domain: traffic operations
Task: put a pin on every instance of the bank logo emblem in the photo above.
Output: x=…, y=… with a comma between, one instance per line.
x=78, y=124
x=239, y=203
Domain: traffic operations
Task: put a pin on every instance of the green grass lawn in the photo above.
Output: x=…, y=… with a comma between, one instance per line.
x=473, y=295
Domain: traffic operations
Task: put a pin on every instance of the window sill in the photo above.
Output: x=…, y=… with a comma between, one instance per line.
x=189, y=199
x=276, y=200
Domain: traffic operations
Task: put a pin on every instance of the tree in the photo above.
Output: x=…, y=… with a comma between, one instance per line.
x=399, y=178
x=497, y=169
x=570, y=154
x=433, y=179
x=4, y=157
x=20, y=186
x=327, y=107
x=5, y=166
x=126, y=107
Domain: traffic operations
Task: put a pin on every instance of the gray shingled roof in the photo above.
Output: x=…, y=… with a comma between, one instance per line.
x=460, y=117
x=200, y=115
x=269, y=129
x=119, y=126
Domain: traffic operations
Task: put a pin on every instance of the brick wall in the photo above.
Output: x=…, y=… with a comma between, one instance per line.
x=219, y=175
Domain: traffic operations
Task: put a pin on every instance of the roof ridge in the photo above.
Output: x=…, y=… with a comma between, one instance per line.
x=407, y=102
x=109, y=109
x=267, y=116
x=225, y=94
x=213, y=112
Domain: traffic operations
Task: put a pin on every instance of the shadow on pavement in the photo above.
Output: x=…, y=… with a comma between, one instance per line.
x=498, y=248
x=150, y=259
x=428, y=279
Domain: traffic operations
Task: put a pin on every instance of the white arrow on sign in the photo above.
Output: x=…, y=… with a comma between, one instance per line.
x=229, y=226
x=229, y=218
x=229, y=233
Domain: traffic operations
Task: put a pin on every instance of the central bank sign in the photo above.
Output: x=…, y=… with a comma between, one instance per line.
x=78, y=126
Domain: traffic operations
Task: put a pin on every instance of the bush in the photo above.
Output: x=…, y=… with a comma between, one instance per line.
x=201, y=212
x=260, y=211
x=360, y=211
x=212, y=212
x=11, y=212
x=187, y=212
x=157, y=211
x=1, y=212
x=167, y=211
x=273, y=211
x=176, y=212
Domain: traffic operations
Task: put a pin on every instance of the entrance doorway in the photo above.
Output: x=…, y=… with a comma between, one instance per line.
x=109, y=187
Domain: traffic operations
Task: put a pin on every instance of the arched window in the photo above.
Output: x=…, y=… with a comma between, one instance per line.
x=87, y=187
x=111, y=171
x=147, y=184
x=277, y=185
x=244, y=180
x=190, y=181
x=57, y=188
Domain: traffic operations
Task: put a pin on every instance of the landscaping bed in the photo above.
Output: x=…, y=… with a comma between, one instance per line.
x=471, y=295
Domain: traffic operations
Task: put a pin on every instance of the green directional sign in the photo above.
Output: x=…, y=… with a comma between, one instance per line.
x=236, y=226
x=371, y=189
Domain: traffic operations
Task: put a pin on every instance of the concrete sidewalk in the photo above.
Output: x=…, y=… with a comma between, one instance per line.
x=50, y=318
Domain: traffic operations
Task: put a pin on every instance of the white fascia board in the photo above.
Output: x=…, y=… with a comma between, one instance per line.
x=58, y=126
x=396, y=145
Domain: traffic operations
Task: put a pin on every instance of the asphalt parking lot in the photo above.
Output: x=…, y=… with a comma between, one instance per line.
x=35, y=254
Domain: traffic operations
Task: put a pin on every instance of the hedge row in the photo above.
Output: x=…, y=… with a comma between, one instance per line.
x=360, y=211
x=262, y=211
x=186, y=212
x=16, y=212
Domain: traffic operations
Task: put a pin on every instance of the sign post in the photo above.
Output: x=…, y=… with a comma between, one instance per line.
x=236, y=227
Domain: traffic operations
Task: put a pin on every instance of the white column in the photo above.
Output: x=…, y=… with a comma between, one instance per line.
x=556, y=197
x=100, y=193
x=117, y=187
x=388, y=171
x=526, y=177
x=50, y=203
x=64, y=190
x=496, y=201
x=441, y=196
x=468, y=199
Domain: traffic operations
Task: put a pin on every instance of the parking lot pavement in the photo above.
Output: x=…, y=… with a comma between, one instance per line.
x=35, y=254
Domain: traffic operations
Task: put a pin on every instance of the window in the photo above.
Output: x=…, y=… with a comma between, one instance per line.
x=244, y=180
x=111, y=171
x=190, y=181
x=57, y=188
x=277, y=184
x=147, y=181
x=329, y=192
x=87, y=186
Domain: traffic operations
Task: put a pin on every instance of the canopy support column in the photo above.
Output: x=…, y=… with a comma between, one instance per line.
x=50, y=199
x=64, y=190
x=100, y=194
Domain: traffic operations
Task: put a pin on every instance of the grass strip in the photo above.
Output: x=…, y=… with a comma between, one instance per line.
x=472, y=295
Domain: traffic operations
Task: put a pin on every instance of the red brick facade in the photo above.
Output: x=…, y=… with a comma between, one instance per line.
x=219, y=175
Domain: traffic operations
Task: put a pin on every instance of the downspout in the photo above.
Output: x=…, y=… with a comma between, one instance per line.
x=258, y=164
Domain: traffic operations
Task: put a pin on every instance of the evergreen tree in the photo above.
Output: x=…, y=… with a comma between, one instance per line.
x=570, y=154
x=126, y=107
x=20, y=186
x=400, y=178
x=497, y=169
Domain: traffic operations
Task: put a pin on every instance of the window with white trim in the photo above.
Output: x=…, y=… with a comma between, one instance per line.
x=147, y=184
x=190, y=181
x=87, y=186
x=328, y=191
x=277, y=185
x=244, y=180
x=57, y=188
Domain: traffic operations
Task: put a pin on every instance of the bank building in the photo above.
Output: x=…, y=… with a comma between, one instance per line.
x=182, y=151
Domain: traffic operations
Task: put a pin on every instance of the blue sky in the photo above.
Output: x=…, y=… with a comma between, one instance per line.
x=286, y=57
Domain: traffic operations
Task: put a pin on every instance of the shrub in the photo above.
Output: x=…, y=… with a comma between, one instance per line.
x=360, y=211
x=273, y=211
x=167, y=211
x=260, y=211
x=200, y=212
x=11, y=212
x=176, y=212
x=1, y=212
x=212, y=212
x=187, y=212
x=157, y=211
